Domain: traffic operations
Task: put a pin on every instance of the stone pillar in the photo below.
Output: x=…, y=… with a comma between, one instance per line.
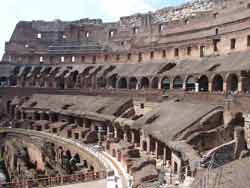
x=22, y=115
x=42, y=116
x=108, y=132
x=138, y=85
x=159, y=84
x=156, y=148
x=240, y=84
x=50, y=117
x=15, y=113
x=164, y=155
x=132, y=136
x=240, y=141
x=171, y=85
x=148, y=144
x=196, y=87
x=210, y=87
x=184, y=85
x=115, y=132
x=247, y=129
x=125, y=136
x=225, y=88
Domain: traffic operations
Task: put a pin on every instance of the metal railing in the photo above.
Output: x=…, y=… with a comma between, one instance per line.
x=55, y=180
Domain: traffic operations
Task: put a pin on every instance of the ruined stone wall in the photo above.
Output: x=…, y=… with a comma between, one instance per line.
x=186, y=32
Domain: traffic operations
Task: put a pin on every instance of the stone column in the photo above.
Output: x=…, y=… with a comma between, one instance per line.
x=196, y=87
x=22, y=115
x=132, y=136
x=148, y=144
x=171, y=85
x=225, y=87
x=210, y=87
x=184, y=85
x=42, y=116
x=125, y=136
x=115, y=132
x=108, y=132
x=240, y=84
x=164, y=155
x=247, y=129
x=137, y=85
x=156, y=148
x=159, y=84
x=15, y=113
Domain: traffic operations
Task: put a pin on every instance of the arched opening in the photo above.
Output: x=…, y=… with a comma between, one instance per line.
x=144, y=83
x=8, y=105
x=246, y=83
x=3, y=81
x=59, y=152
x=13, y=80
x=217, y=83
x=114, y=153
x=112, y=81
x=91, y=169
x=203, y=83
x=178, y=83
x=37, y=116
x=190, y=83
x=132, y=83
x=18, y=115
x=77, y=158
x=155, y=83
x=61, y=83
x=75, y=78
x=46, y=116
x=101, y=82
x=144, y=146
x=85, y=164
x=165, y=84
x=123, y=83
x=68, y=155
x=232, y=82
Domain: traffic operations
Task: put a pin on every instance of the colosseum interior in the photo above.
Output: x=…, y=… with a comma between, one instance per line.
x=160, y=99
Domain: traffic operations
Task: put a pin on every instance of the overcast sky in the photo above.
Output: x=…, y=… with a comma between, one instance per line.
x=12, y=11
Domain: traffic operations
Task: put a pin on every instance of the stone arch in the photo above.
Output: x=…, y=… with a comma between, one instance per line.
x=190, y=83
x=112, y=81
x=177, y=82
x=145, y=83
x=155, y=83
x=122, y=84
x=165, y=83
x=203, y=83
x=232, y=82
x=132, y=83
x=217, y=83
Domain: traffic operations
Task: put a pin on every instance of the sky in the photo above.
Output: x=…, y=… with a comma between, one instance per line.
x=12, y=11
